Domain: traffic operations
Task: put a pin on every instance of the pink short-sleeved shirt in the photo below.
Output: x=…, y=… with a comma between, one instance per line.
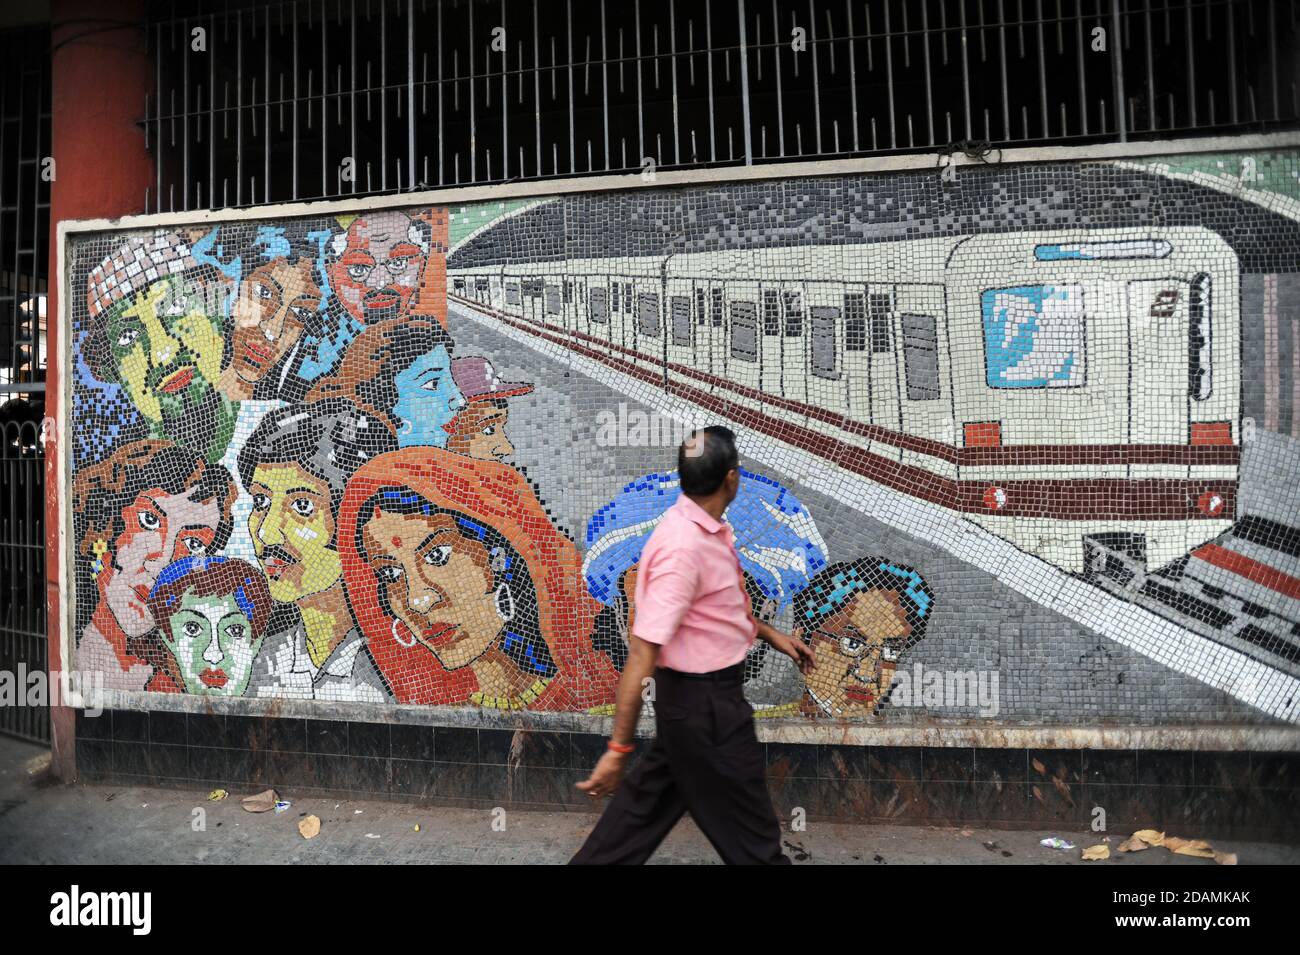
x=690, y=592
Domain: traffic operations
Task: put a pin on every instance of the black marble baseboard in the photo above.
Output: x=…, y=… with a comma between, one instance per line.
x=1194, y=794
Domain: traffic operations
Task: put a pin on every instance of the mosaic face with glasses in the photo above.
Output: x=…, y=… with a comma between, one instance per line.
x=377, y=265
x=858, y=619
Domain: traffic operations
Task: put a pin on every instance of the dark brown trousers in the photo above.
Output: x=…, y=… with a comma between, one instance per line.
x=705, y=760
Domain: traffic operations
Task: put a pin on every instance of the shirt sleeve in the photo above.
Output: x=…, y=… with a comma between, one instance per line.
x=664, y=592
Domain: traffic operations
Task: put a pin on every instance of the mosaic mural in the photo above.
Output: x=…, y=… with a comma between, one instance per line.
x=1031, y=433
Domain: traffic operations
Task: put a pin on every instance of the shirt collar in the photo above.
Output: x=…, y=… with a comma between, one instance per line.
x=338, y=663
x=692, y=511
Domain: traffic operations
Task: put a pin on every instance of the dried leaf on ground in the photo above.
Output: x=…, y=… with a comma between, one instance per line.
x=1198, y=848
x=1132, y=844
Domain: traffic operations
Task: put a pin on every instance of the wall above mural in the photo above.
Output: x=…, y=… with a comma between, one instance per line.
x=1020, y=446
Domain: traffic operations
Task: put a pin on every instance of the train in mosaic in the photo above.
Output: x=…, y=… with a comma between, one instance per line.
x=395, y=455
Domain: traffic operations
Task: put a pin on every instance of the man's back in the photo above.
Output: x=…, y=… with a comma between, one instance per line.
x=690, y=592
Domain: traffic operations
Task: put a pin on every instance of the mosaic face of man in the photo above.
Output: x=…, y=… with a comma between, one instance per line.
x=438, y=581
x=213, y=643
x=166, y=347
x=276, y=303
x=378, y=269
x=159, y=528
x=852, y=672
x=291, y=525
x=481, y=432
x=427, y=400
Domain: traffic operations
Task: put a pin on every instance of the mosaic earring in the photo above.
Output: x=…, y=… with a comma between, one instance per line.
x=505, y=602
x=398, y=640
x=99, y=549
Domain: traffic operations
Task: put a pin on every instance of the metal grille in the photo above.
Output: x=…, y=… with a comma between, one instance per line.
x=23, y=645
x=259, y=103
x=24, y=259
x=24, y=208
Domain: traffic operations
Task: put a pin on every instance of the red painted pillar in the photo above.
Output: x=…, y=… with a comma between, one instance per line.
x=100, y=72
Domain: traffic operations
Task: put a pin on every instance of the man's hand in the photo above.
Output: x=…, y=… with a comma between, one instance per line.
x=637, y=672
x=604, y=779
x=793, y=647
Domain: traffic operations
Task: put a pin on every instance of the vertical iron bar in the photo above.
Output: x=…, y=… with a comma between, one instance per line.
x=158, y=140
x=604, y=83
x=212, y=117
x=1232, y=60
x=352, y=99
x=853, y=74
x=294, y=110
x=1002, y=67
x=1083, y=79
x=537, y=88
x=1117, y=73
x=708, y=42
x=817, y=95
x=410, y=93
x=1151, y=78
x=568, y=32
x=965, y=68
x=239, y=107
x=1272, y=58
x=1191, y=63
x=889, y=74
x=744, y=83
x=672, y=60
x=780, y=106
x=929, y=90
x=185, y=114
x=1042, y=71
x=640, y=113
x=383, y=93
x=266, y=114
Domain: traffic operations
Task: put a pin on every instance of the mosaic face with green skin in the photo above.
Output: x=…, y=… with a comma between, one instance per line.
x=213, y=643
x=167, y=352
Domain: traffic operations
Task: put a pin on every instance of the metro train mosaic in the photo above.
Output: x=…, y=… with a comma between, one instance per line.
x=1039, y=426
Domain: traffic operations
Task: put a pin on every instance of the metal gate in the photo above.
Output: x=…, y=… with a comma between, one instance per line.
x=23, y=647
x=24, y=253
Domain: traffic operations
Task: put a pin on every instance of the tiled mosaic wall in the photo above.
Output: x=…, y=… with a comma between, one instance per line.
x=1018, y=446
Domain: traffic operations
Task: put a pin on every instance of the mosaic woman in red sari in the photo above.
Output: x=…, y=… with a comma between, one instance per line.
x=465, y=590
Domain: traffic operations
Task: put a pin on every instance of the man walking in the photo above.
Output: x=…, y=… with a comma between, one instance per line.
x=691, y=631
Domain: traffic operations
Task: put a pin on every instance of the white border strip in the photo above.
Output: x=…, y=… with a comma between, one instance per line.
x=548, y=188
x=1222, y=668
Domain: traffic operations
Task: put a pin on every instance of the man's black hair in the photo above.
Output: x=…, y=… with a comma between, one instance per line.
x=704, y=467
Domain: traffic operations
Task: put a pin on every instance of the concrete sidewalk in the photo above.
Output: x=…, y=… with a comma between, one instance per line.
x=45, y=822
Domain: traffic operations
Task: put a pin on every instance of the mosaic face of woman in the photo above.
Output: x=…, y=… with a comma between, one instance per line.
x=277, y=302
x=854, y=669
x=439, y=583
x=427, y=400
x=292, y=525
x=159, y=528
x=213, y=643
x=166, y=348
